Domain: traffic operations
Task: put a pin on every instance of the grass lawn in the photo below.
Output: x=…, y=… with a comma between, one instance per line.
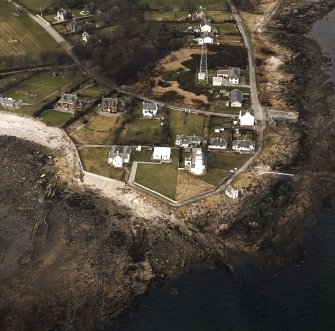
x=95, y=160
x=55, y=118
x=36, y=5
x=95, y=91
x=176, y=124
x=166, y=15
x=21, y=36
x=42, y=88
x=195, y=125
x=220, y=107
x=161, y=178
x=100, y=130
x=219, y=15
x=225, y=160
x=185, y=4
x=143, y=156
x=226, y=28
x=214, y=176
x=218, y=121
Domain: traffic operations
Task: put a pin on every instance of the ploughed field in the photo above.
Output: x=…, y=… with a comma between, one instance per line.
x=20, y=36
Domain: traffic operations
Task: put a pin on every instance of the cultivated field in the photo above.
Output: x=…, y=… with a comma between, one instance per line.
x=36, y=5
x=43, y=88
x=100, y=130
x=20, y=35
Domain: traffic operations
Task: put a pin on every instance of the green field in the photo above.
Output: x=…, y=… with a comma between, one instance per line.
x=176, y=124
x=100, y=130
x=21, y=36
x=161, y=178
x=95, y=160
x=36, y=5
x=185, y=4
x=141, y=131
x=42, y=89
x=55, y=118
x=95, y=91
x=214, y=176
x=195, y=125
x=226, y=28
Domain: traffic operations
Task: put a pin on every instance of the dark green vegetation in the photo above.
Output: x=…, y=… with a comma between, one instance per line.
x=43, y=89
x=161, y=178
x=55, y=118
x=95, y=160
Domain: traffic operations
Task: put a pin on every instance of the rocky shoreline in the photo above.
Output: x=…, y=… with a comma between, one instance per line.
x=82, y=260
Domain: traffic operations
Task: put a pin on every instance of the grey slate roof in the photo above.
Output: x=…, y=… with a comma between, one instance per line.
x=149, y=106
x=189, y=140
x=219, y=142
x=243, y=144
x=206, y=22
x=119, y=150
x=236, y=95
x=234, y=73
x=10, y=103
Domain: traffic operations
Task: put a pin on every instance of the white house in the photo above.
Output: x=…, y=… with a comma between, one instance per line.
x=234, y=75
x=206, y=26
x=245, y=146
x=236, y=98
x=10, y=103
x=246, y=118
x=217, y=143
x=205, y=40
x=231, y=192
x=217, y=81
x=162, y=153
x=63, y=14
x=85, y=36
x=196, y=163
x=119, y=155
x=150, y=109
x=188, y=141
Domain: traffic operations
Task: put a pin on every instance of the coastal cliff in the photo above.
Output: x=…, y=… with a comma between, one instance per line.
x=72, y=258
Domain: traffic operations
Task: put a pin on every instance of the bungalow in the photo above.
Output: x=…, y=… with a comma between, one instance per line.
x=246, y=146
x=196, y=163
x=206, y=26
x=231, y=192
x=10, y=103
x=162, y=153
x=119, y=155
x=234, y=75
x=70, y=102
x=246, y=118
x=236, y=98
x=217, y=143
x=217, y=81
x=150, y=109
x=112, y=105
x=188, y=141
